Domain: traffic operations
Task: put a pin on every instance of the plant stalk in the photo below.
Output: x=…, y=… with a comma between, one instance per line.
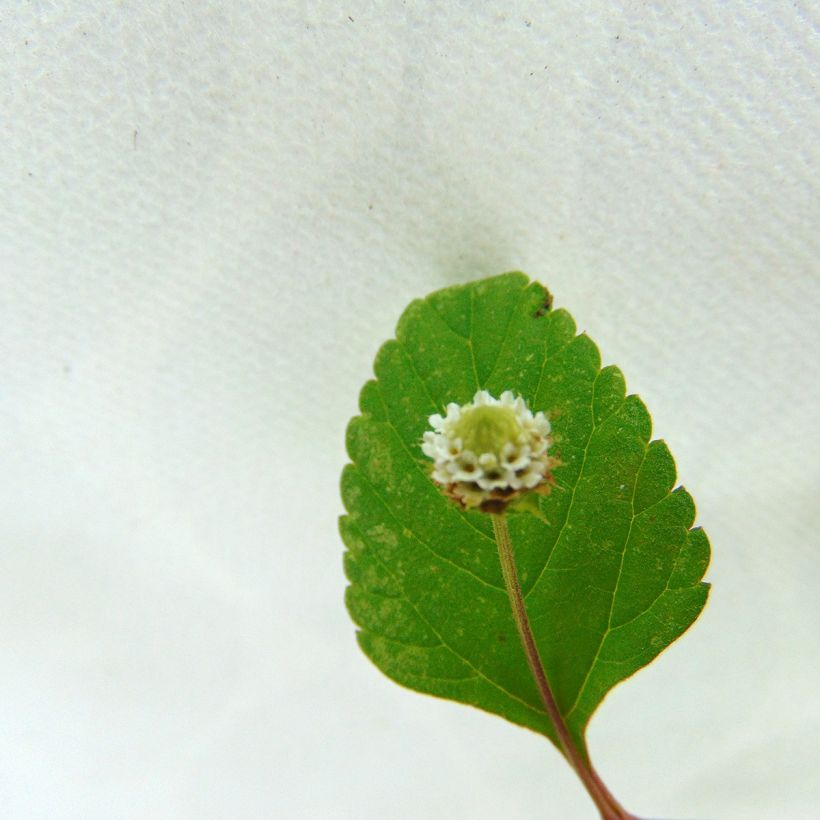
x=608, y=806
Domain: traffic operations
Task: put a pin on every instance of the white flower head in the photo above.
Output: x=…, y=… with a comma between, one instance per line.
x=488, y=453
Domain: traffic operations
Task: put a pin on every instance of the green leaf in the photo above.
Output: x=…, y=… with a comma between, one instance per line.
x=611, y=569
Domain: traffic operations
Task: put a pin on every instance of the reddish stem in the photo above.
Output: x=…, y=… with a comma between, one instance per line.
x=607, y=805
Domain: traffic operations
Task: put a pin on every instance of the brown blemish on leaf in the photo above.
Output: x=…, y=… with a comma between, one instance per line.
x=546, y=304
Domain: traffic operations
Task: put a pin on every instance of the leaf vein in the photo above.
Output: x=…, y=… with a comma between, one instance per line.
x=410, y=361
x=423, y=543
x=506, y=335
x=409, y=644
x=446, y=645
x=572, y=490
x=548, y=358
x=618, y=577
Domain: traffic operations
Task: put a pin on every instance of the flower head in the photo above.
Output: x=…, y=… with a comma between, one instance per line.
x=490, y=452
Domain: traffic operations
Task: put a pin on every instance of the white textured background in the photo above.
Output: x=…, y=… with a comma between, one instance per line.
x=211, y=215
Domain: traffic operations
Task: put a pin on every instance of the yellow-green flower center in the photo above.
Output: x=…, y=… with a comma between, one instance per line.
x=487, y=429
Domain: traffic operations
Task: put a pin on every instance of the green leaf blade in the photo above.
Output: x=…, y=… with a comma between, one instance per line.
x=611, y=570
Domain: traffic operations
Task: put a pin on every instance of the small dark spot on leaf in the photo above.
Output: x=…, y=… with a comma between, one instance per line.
x=350, y=18
x=501, y=637
x=546, y=304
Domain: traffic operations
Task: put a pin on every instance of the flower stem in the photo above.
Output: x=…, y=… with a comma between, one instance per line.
x=608, y=806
